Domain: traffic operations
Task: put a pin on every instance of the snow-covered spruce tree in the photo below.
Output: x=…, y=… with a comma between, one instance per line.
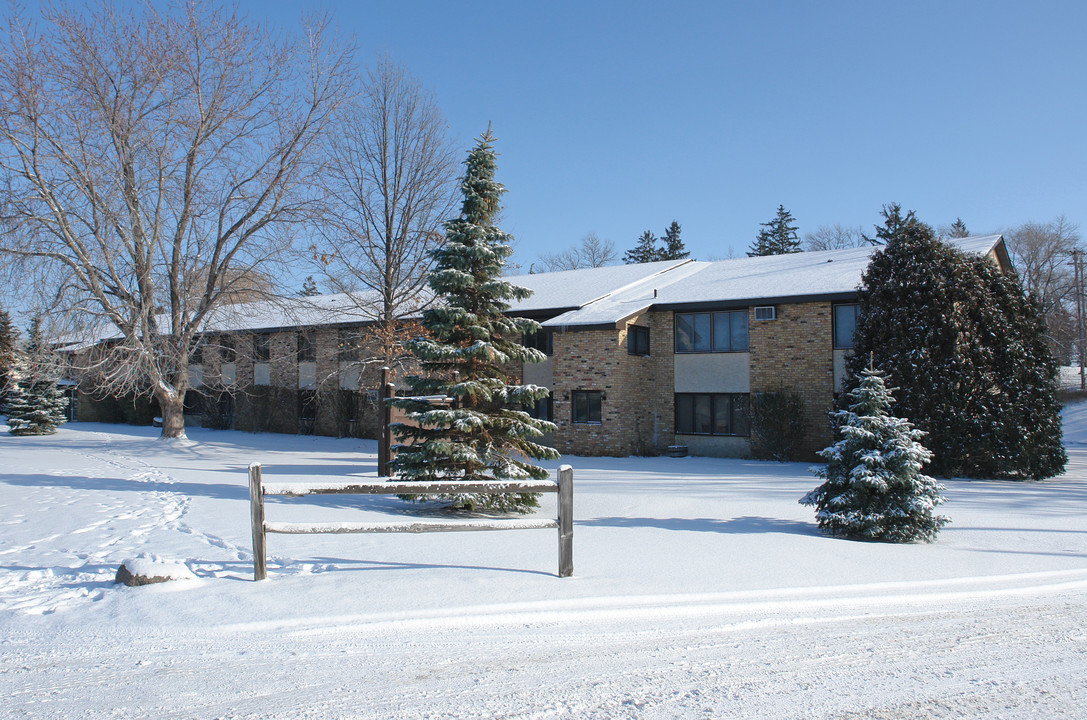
x=9, y=345
x=966, y=348
x=873, y=486
x=36, y=405
x=486, y=433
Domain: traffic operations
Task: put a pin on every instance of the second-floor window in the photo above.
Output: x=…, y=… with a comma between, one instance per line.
x=307, y=346
x=637, y=340
x=262, y=347
x=542, y=340
x=845, y=324
x=724, y=331
x=348, y=342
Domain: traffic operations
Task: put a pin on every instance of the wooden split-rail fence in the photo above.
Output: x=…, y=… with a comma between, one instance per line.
x=564, y=487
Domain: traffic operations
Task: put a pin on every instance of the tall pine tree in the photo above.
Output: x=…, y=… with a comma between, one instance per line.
x=485, y=434
x=9, y=345
x=644, y=251
x=966, y=348
x=36, y=405
x=873, y=487
x=777, y=237
x=673, y=244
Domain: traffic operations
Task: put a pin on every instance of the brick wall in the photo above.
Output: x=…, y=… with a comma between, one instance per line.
x=795, y=352
x=636, y=414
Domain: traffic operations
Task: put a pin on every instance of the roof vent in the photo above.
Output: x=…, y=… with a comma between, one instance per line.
x=765, y=312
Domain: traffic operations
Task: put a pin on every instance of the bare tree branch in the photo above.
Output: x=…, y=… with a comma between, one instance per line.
x=591, y=252
x=154, y=162
x=392, y=182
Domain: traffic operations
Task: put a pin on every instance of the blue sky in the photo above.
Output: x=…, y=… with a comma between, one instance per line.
x=619, y=117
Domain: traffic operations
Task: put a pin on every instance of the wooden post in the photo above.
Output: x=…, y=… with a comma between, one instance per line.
x=383, y=416
x=256, y=508
x=566, y=521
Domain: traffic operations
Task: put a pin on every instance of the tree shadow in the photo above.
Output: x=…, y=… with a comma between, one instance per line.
x=372, y=565
x=114, y=484
x=747, y=525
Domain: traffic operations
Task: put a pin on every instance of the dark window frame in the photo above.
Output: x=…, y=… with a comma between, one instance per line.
x=738, y=420
x=307, y=346
x=638, y=340
x=543, y=409
x=834, y=324
x=542, y=340
x=262, y=347
x=228, y=350
x=590, y=399
x=712, y=343
x=347, y=344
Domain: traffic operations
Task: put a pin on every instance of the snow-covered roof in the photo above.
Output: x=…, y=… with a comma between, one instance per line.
x=773, y=278
x=577, y=288
x=607, y=295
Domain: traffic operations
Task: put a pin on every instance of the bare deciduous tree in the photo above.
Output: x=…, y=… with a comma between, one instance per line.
x=591, y=252
x=1041, y=253
x=392, y=183
x=834, y=237
x=153, y=162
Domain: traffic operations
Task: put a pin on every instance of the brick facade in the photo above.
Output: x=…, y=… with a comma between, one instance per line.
x=794, y=352
x=636, y=405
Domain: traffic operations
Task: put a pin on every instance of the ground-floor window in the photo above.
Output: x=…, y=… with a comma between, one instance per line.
x=585, y=406
x=711, y=414
x=543, y=409
x=307, y=411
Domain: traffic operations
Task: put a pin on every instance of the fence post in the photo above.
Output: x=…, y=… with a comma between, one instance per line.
x=384, y=452
x=256, y=508
x=566, y=521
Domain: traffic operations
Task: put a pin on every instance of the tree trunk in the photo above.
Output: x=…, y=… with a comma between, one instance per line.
x=172, y=407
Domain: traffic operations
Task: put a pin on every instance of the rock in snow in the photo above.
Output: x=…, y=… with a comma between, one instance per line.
x=148, y=569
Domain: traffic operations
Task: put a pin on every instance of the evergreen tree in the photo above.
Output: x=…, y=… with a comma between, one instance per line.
x=35, y=406
x=894, y=224
x=309, y=287
x=967, y=350
x=873, y=487
x=958, y=229
x=644, y=251
x=777, y=237
x=9, y=344
x=485, y=434
x=673, y=244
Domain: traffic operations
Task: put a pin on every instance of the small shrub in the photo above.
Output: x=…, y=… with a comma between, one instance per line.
x=777, y=425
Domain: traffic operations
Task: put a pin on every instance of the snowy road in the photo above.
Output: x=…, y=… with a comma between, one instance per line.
x=1001, y=648
x=701, y=590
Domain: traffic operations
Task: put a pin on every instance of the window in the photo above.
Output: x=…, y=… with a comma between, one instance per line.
x=637, y=340
x=262, y=347
x=845, y=324
x=307, y=412
x=711, y=414
x=542, y=340
x=348, y=344
x=197, y=356
x=711, y=332
x=544, y=409
x=585, y=406
x=307, y=346
x=227, y=351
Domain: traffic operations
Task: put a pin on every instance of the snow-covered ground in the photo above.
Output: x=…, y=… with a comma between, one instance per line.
x=701, y=588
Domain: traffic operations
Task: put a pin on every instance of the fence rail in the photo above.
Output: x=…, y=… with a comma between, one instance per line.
x=564, y=522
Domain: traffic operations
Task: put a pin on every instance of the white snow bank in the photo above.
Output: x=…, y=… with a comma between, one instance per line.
x=148, y=565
